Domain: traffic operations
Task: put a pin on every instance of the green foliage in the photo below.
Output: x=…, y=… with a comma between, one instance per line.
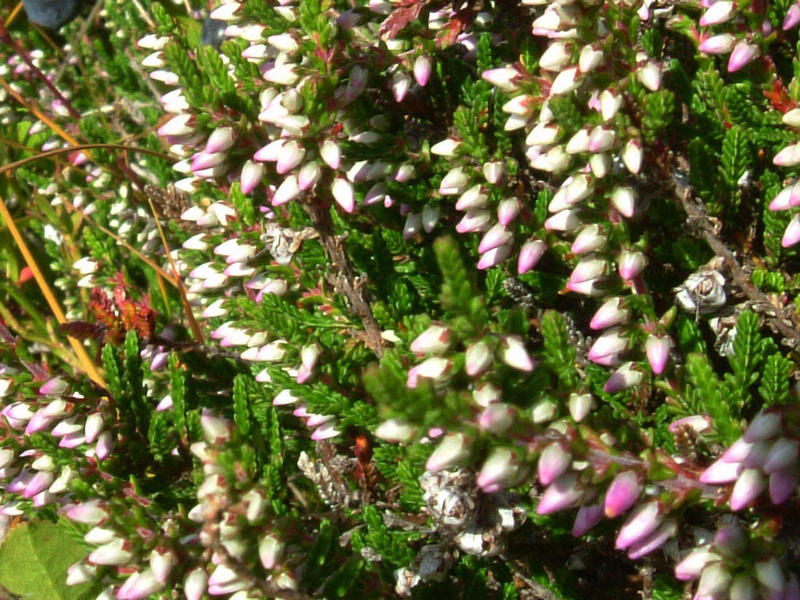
x=33, y=562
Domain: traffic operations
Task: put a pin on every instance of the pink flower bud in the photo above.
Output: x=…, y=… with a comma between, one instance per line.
x=308, y=176
x=543, y=134
x=555, y=57
x=80, y=573
x=447, y=147
x=764, y=426
x=624, y=200
x=589, y=239
x=718, y=44
x=493, y=172
x=331, y=153
x=792, y=18
x=743, y=587
x=117, y=552
x=590, y=58
x=413, y=225
x=182, y=124
x=494, y=257
x=748, y=486
x=590, y=287
x=553, y=463
x=653, y=541
x=270, y=551
x=719, y=12
x=529, y=255
x=610, y=343
x=632, y=156
x=220, y=140
x=586, y=519
x=514, y=354
x=453, y=448
x=623, y=378
x=161, y=562
x=714, y=580
x=792, y=234
x=566, y=81
x=454, y=182
x=782, y=484
x=435, y=340
x=782, y=455
x=89, y=513
x=195, y=584
x=422, y=70
x=292, y=154
x=788, y=197
x=503, y=77
x=650, y=75
x=612, y=312
x=657, y=349
x=589, y=267
x=496, y=236
x=396, y=431
x=788, y=157
x=499, y=471
x=566, y=220
x=401, y=83
x=497, y=418
x=561, y=494
x=54, y=387
x=601, y=139
x=325, y=431
x=640, y=524
x=342, y=191
x=474, y=220
x=507, y=211
x=694, y=563
x=473, y=198
x=622, y=494
x=478, y=358
x=38, y=483
x=580, y=405
x=251, y=176
x=140, y=585
x=743, y=53
x=215, y=429
x=770, y=575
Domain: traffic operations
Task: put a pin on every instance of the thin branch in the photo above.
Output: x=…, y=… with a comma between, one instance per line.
x=538, y=590
x=778, y=317
x=6, y=38
x=343, y=278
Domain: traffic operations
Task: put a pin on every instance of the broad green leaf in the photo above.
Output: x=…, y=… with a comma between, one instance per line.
x=33, y=562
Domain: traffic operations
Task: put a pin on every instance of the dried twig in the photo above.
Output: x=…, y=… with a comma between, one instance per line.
x=343, y=278
x=778, y=317
x=537, y=589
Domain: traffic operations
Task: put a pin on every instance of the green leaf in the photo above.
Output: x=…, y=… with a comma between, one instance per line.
x=746, y=357
x=33, y=562
x=559, y=353
x=775, y=381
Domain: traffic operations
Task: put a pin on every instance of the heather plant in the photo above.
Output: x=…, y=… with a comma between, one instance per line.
x=327, y=299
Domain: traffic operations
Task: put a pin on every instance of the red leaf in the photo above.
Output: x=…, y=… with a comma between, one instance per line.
x=401, y=16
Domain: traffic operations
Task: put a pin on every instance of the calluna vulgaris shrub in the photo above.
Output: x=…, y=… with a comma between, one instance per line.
x=408, y=298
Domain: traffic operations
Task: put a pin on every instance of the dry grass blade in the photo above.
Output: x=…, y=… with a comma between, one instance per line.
x=83, y=357
x=187, y=308
x=40, y=115
x=14, y=14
